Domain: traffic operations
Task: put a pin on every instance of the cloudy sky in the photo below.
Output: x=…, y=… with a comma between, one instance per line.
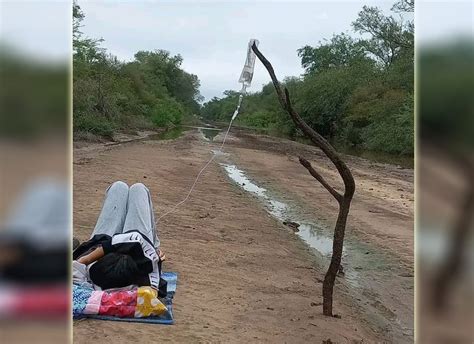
x=212, y=37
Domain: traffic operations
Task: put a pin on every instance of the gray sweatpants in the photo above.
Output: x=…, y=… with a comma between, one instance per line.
x=127, y=208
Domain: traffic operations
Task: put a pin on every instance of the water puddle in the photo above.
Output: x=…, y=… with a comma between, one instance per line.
x=239, y=177
x=209, y=133
x=309, y=234
x=313, y=235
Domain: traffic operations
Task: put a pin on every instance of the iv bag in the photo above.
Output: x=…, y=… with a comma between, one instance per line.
x=247, y=73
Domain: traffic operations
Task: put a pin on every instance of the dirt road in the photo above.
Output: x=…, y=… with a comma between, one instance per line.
x=244, y=276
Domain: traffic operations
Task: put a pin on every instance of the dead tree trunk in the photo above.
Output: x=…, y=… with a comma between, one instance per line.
x=344, y=200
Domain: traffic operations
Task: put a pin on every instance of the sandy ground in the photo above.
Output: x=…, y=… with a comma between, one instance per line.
x=243, y=276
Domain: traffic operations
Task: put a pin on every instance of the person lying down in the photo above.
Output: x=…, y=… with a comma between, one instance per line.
x=124, y=248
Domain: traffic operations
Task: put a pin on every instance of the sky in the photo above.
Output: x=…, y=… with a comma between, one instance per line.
x=211, y=36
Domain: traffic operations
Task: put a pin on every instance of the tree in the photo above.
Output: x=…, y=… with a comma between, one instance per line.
x=77, y=17
x=84, y=49
x=340, y=51
x=404, y=6
x=388, y=36
x=344, y=200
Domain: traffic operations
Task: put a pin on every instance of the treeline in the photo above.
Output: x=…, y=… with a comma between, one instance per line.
x=357, y=92
x=152, y=90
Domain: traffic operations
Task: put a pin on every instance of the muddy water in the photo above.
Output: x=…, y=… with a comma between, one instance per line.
x=309, y=232
x=371, y=275
x=315, y=236
x=209, y=133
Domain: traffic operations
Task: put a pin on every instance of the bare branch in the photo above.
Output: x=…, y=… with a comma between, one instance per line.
x=320, y=179
x=344, y=171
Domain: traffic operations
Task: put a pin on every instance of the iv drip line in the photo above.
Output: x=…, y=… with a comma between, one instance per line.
x=245, y=79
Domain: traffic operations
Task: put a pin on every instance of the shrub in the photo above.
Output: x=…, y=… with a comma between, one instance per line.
x=95, y=124
x=258, y=119
x=392, y=134
x=167, y=112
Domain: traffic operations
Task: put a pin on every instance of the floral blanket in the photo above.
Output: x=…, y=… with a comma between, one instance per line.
x=140, y=304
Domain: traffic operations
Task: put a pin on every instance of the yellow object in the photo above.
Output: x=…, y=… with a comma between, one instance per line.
x=148, y=303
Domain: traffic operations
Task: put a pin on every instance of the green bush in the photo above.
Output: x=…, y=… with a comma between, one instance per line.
x=96, y=124
x=350, y=136
x=259, y=119
x=167, y=112
x=393, y=133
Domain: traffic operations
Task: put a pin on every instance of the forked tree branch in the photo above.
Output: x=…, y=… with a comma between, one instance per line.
x=320, y=179
x=344, y=172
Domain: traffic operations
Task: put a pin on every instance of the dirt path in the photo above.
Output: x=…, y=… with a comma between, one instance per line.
x=243, y=277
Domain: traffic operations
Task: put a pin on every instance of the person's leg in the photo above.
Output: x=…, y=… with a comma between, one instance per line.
x=114, y=210
x=140, y=213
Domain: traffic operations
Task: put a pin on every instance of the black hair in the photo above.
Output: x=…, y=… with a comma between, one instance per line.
x=114, y=270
